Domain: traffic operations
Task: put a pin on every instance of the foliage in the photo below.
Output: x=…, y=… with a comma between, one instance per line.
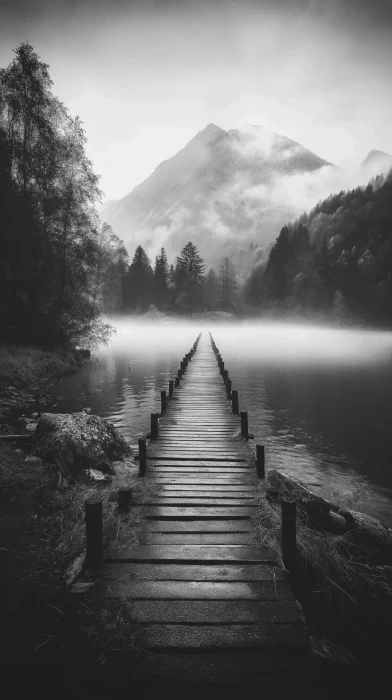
x=59, y=269
x=336, y=260
x=138, y=282
x=227, y=283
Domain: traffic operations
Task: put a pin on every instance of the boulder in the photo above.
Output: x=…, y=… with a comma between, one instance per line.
x=365, y=531
x=79, y=441
x=93, y=476
x=316, y=507
x=336, y=523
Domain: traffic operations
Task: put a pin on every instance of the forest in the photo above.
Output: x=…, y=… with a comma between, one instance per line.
x=183, y=286
x=62, y=270
x=336, y=260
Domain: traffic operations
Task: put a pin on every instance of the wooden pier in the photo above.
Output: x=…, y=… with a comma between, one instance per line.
x=205, y=598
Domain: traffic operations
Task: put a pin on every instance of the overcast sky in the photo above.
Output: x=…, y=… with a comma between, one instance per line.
x=144, y=77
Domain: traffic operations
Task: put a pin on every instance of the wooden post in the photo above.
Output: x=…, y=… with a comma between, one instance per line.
x=124, y=498
x=142, y=456
x=222, y=367
x=94, y=532
x=234, y=401
x=179, y=373
x=225, y=376
x=289, y=533
x=244, y=424
x=163, y=402
x=260, y=461
x=228, y=388
x=177, y=382
x=37, y=405
x=182, y=365
x=154, y=426
x=171, y=388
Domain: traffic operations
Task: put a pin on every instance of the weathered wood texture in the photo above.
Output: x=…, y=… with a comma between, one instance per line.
x=199, y=577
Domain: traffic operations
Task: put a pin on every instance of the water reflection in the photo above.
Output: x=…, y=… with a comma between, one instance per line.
x=319, y=399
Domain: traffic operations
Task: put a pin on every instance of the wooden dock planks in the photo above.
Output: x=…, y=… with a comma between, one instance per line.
x=199, y=580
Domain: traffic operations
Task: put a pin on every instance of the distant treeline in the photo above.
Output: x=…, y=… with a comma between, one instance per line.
x=60, y=268
x=182, y=286
x=336, y=260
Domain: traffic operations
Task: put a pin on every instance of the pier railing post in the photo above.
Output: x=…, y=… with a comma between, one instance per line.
x=234, y=401
x=244, y=424
x=228, y=388
x=289, y=533
x=260, y=461
x=171, y=388
x=163, y=402
x=124, y=498
x=154, y=426
x=142, y=456
x=94, y=532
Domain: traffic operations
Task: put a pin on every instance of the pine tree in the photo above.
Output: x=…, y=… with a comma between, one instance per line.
x=227, y=282
x=191, y=264
x=138, y=283
x=211, y=288
x=161, y=278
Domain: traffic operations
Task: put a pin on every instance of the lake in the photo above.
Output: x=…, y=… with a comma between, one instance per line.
x=319, y=399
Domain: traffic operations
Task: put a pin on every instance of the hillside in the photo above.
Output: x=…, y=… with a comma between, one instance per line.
x=223, y=190
x=336, y=260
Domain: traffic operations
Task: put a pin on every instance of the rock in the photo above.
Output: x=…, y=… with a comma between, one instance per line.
x=33, y=459
x=331, y=652
x=93, y=476
x=368, y=532
x=87, y=409
x=316, y=507
x=80, y=441
x=336, y=523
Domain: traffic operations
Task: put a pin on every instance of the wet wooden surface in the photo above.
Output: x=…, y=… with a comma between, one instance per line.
x=200, y=580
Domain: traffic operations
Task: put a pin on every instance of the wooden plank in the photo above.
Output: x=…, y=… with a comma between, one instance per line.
x=223, y=490
x=195, y=590
x=202, y=462
x=293, y=669
x=199, y=526
x=212, y=612
x=164, y=512
x=229, y=538
x=196, y=501
x=215, y=637
x=194, y=553
x=111, y=571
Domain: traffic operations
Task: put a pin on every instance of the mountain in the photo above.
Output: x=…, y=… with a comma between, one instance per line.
x=376, y=163
x=225, y=191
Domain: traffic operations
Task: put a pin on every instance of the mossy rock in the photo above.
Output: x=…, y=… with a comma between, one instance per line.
x=79, y=441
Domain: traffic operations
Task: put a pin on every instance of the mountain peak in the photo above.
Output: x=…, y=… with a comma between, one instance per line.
x=377, y=162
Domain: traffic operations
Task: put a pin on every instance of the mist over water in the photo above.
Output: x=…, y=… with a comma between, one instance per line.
x=318, y=398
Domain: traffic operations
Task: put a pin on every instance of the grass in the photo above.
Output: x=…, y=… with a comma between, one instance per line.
x=344, y=598
x=16, y=472
x=119, y=530
x=27, y=366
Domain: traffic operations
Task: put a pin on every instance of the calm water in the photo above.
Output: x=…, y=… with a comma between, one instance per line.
x=319, y=399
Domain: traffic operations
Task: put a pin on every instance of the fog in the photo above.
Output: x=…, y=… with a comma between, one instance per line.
x=264, y=341
x=318, y=398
